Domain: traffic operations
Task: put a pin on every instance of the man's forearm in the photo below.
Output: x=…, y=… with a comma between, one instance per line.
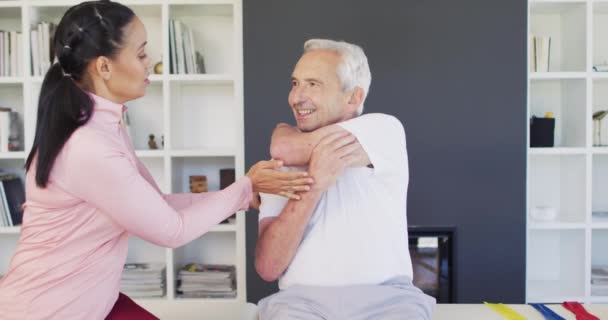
x=279, y=241
x=294, y=147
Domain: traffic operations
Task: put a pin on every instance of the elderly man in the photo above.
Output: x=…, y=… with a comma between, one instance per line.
x=341, y=252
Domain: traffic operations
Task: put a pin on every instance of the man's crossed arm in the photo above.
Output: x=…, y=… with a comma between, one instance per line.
x=295, y=147
x=327, y=151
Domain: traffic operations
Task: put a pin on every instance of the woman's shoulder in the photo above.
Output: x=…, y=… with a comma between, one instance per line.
x=89, y=140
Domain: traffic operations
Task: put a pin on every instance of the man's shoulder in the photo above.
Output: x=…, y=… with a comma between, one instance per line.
x=376, y=120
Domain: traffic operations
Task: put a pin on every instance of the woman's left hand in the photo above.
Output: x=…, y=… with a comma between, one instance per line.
x=266, y=177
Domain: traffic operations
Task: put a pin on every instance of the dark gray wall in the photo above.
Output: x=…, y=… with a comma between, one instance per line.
x=454, y=72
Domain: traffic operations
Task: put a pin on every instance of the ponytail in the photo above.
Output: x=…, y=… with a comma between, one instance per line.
x=62, y=108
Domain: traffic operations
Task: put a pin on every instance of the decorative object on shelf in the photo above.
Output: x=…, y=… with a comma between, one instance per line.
x=542, y=132
x=152, y=143
x=158, y=68
x=597, y=126
x=162, y=141
x=227, y=177
x=198, y=184
x=543, y=213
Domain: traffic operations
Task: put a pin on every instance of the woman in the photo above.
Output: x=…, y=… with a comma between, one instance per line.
x=86, y=189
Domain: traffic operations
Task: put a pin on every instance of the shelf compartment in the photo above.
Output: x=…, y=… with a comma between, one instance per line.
x=555, y=265
x=213, y=32
x=146, y=117
x=211, y=248
x=599, y=201
x=566, y=99
x=203, y=116
x=11, y=96
x=558, y=181
x=183, y=168
x=600, y=103
x=599, y=243
x=600, y=25
x=564, y=22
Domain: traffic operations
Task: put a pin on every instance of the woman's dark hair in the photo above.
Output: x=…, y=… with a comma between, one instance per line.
x=86, y=31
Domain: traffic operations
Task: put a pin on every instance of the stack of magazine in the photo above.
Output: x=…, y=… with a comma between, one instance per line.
x=599, y=280
x=143, y=280
x=206, y=281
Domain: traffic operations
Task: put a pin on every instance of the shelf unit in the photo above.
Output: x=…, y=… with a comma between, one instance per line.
x=572, y=177
x=199, y=116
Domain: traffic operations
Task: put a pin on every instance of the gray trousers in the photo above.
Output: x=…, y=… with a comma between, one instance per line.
x=394, y=299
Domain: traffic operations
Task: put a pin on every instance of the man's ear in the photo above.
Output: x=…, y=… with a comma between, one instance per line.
x=355, y=98
x=103, y=68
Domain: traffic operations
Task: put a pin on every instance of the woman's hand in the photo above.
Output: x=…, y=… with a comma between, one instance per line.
x=265, y=177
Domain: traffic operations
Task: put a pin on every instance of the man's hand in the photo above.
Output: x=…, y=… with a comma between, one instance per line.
x=329, y=158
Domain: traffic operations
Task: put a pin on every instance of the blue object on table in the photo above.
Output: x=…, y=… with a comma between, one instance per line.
x=546, y=312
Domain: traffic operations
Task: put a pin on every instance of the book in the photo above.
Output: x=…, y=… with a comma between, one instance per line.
x=13, y=195
x=542, y=50
x=4, y=128
x=173, y=47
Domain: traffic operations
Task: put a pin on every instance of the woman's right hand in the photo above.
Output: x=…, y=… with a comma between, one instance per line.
x=266, y=177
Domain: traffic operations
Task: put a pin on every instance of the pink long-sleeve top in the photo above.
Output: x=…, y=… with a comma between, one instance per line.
x=75, y=232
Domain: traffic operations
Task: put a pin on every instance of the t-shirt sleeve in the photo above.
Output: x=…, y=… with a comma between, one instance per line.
x=271, y=205
x=383, y=139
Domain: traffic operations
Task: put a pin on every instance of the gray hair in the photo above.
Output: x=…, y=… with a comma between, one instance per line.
x=353, y=71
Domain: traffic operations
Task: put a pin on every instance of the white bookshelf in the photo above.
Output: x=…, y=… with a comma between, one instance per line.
x=200, y=117
x=572, y=176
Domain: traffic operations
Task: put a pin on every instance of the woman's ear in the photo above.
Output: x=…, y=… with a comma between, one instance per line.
x=103, y=68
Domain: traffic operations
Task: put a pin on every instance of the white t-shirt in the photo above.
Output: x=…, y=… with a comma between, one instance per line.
x=358, y=232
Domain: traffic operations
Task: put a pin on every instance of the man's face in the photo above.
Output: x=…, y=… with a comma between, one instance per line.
x=316, y=97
